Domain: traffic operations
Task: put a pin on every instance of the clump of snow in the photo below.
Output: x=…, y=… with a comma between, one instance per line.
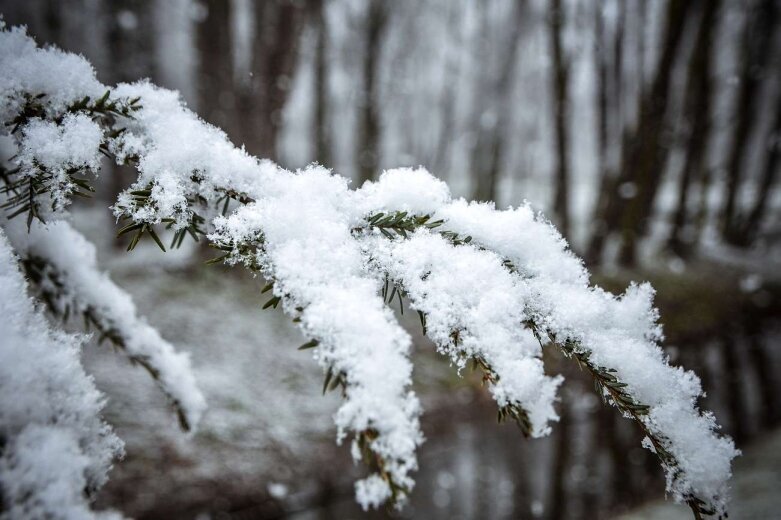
x=64, y=77
x=194, y=160
x=59, y=148
x=71, y=144
x=318, y=269
x=469, y=292
x=413, y=190
x=535, y=246
x=372, y=492
x=55, y=444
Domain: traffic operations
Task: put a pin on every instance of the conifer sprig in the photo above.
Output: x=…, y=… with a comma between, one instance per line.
x=24, y=189
x=53, y=291
x=612, y=391
x=608, y=386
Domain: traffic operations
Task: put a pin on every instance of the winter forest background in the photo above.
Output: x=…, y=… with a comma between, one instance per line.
x=648, y=132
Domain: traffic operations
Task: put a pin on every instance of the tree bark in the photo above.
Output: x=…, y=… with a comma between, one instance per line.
x=753, y=221
x=756, y=39
x=369, y=137
x=489, y=150
x=278, y=26
x=609, y=85
x=561, y=465
x=697, y=112
x=561, y=118
x=321, y=126
x=645, y=152
x=215, y=62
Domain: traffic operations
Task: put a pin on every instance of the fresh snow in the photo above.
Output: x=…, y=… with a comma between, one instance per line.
x=309, y=233
x=55, y=444
x=71, y=258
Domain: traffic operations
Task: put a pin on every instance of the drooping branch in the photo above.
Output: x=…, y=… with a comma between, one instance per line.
x=617, y=339
x=51, y=433
x=58, y=155
x=482, y=280
x=61, y=265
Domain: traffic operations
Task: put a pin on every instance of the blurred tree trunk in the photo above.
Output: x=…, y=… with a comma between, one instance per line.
x=697, y=114
x=369, y=136
x=642, y=20
x=762, y=364
x=609, y=85
x=52, y=19
x=215, y=65
x=751, y=225
x=448, y=95
x=645, y=151
x=755, y=43
x=489, y=149
x=561, y=117
x=321, y=127
x=519, y=467
x=601, y=63
x=278, y=26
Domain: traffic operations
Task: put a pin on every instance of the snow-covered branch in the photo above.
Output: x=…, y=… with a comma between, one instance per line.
x=57, y=131
x=53, y=443
x=615, y=339
x=493, y=287
x=61, y=264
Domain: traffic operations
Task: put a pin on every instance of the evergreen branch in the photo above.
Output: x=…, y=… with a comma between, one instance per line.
x=191, y=183
x=610, y=389
x=377, y=464
x=397, y=223
x=142, y=198
x=510, y=411
x=247, y=254
x=52, y=290
x=25, y=186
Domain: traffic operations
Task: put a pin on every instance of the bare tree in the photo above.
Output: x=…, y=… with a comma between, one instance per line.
x=756, y=39
x=644, y=151
x=561, y=117
x=697, y=114
x=750, y=225
x=609, y=124
x=321, y=126
x=278, y=26
x=489, y=150
x=448, y=93
x=215, y=62
x=561, y=463
x=369, y=136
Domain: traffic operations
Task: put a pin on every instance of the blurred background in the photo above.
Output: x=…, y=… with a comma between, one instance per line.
x=649, y=132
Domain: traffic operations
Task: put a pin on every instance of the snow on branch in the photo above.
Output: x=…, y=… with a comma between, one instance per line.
x=301, y=239
x=615, y=339
x=491, y=287
x=57, y=135
x=473, y=308
x=61, y=264
x=53, y=443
